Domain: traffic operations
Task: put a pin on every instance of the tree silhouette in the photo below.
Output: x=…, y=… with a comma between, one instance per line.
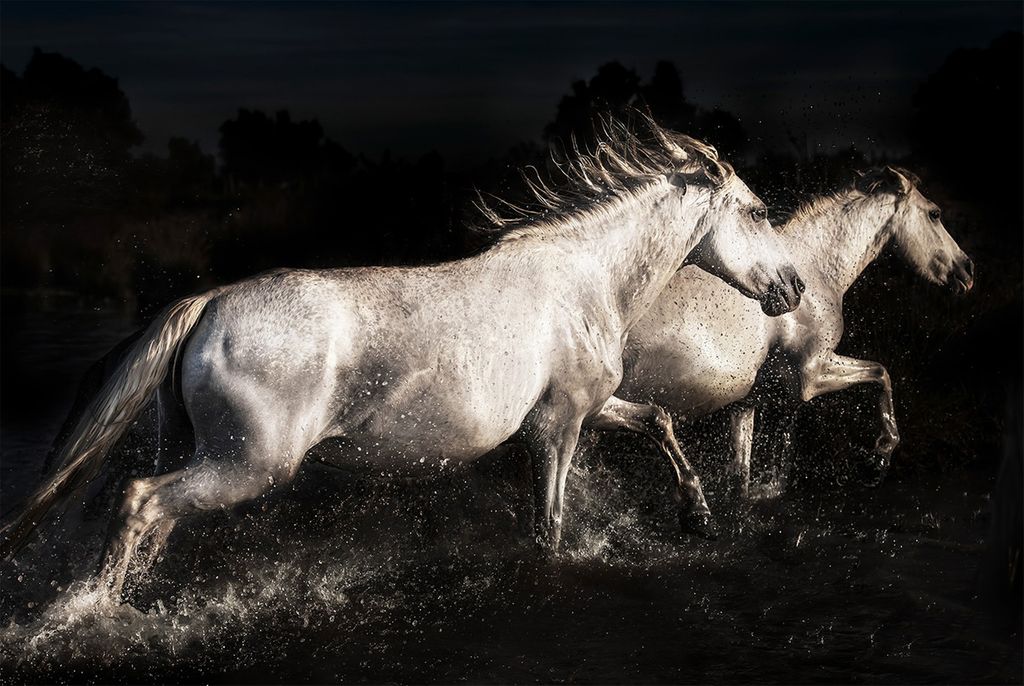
x=90, y=95
x=260, y=150
x=614, y=89
x=186, y=178
x=611, y=90
x=66, y=138
x=665, y=97
x=11, y=87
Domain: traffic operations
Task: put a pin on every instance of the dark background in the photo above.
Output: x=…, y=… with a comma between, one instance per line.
x=150, y=150
x=151, y=146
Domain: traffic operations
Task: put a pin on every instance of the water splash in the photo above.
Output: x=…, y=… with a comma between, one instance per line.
x=348, y=578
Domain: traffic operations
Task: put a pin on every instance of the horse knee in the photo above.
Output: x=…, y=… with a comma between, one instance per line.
x=662, y=421
x=884, y=379
x=136, y=493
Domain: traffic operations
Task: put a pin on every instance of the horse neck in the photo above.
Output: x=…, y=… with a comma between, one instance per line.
x=648, y=248
x=633, y=246
x=842, y=235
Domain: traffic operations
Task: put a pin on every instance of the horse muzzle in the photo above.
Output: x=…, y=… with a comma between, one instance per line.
x=783, y=294
x=961, y=276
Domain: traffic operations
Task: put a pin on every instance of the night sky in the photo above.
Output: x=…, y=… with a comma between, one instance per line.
x=470, y=80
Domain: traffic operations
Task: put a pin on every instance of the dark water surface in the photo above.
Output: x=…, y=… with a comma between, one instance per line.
x=349, y=577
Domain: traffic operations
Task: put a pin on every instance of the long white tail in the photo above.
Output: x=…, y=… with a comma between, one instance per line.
x=109, y=415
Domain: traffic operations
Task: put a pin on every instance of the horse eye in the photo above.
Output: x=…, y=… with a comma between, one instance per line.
x=759, y=214
x=934, y=215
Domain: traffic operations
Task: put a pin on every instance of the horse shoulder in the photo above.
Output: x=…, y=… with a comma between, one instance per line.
x=817, y=325
x=809, y=335
x=700, y=317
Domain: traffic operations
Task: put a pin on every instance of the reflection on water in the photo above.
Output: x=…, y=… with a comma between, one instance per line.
x=343, y=577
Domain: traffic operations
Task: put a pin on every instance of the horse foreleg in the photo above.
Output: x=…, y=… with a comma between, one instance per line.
x=780, y=449
x=654, y=423
x=837, y=373
x=552, y=457
x=741, y=421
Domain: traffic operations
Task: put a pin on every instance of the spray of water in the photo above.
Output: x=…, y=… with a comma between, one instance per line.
x=336, y=553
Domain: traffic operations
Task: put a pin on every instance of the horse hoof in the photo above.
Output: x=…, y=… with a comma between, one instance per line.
x=700, y=524
x=871, y=468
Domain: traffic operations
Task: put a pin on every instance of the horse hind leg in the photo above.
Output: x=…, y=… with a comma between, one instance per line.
x=152, y=506
x=139, y=515
x=175, y=440
x=174, y=446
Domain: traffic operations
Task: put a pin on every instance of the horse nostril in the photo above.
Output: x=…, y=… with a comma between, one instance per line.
x=798, y=283
x=969, y=266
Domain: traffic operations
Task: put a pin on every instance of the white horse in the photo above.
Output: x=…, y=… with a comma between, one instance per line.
x=701, y=348
x=415, y=368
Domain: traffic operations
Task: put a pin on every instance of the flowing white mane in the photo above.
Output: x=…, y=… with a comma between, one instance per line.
x=627, y=157
x=872, y=182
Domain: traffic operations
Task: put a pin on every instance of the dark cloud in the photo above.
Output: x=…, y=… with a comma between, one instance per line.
x=470, y=79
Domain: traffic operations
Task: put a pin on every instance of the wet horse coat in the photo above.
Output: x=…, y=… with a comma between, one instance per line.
x=415, y=367
x=701, y=347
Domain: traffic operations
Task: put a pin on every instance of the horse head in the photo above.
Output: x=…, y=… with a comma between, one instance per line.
x=917, y=232
x=743, y=249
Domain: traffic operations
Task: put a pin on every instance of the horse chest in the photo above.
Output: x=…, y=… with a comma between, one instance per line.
x=814, y=329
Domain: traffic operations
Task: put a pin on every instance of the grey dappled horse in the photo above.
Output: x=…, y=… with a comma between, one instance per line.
x=418, y=368
x=700, y=347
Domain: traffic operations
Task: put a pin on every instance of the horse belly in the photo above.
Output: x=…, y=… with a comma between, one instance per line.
x=692, y=380
x=706, y=390
x=427, y=420
x=412, y=440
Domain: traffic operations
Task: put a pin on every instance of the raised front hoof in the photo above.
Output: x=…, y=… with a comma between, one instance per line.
x=870, y=468
x=697, y=523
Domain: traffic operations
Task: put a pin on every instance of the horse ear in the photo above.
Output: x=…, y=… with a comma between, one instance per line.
x=901, y=184
x=884, y=180
x=677, y=180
